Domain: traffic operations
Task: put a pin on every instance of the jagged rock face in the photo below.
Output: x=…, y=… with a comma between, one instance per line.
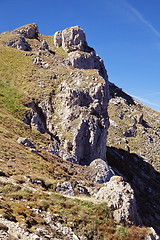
x=28, y=31
x=120, y=199
x=20, y=43
x=88, y=61
x=76, y=112
x=84, y=117
x=71, y=39
x=85, y=106
x=37, y=118
x=77, y=118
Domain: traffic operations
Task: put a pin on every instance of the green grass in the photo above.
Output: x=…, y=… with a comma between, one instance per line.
x=10, y=98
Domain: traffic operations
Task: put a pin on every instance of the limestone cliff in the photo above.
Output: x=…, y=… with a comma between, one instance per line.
x=76, y=112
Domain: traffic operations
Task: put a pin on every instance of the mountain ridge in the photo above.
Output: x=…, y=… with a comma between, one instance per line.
x=38, y=75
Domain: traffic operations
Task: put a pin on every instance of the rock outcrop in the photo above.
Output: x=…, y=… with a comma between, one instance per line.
x=76, y=113
x=44, y=46
x=28, y=31
x=17, y=37
x=65, y=188
x=120, y=199
x=84, y=118
x=71, y=39
x=85, y=60
x=25, y=142
x=20, y=43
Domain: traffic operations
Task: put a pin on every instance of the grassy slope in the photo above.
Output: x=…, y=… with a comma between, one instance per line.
x=18, y=84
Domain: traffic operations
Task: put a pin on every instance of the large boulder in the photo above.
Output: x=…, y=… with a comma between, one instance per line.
x=101, y=172
x=71, y=39
x=121, y=200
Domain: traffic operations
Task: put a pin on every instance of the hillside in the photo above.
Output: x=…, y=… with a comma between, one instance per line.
x=54, y=100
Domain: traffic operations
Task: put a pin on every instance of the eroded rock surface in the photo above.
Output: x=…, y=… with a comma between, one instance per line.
x=101, y=172
x=65, y=188
x=120, y=199
x=84, y=117
x=20, y=43
x=76, y=112
x=28, y=31
x=71, y=39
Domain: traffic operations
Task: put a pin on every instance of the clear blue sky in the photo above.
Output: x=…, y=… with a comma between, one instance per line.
x=124, y=33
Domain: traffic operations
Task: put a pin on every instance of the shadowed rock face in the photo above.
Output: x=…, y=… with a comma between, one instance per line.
x=144, y=180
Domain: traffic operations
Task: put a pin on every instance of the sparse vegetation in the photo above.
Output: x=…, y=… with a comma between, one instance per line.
x=28, y=181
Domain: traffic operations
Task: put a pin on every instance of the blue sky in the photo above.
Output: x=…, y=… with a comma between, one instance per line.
x=124, y=33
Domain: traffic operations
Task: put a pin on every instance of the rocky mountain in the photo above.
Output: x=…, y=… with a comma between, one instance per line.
x=79, y=157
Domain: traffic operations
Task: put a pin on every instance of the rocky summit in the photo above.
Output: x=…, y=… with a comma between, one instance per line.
x=79, y=157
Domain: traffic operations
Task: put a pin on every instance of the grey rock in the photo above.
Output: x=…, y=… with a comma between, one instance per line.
x=58, y=39
x=65, y=155
x=121, y=200
x=37, y=61
x=131, y=131
x=53, y=148
x=38, y=123
x=87, y=61
x=20, y=43
x=33, y=150
x=65, y=188
x=35, y=237
x=44, y=46
x=82, y=115
x=28, y=31
x=37, y=119
x=25, y=142
x=139, y=118
x=113, y=123
x=102, y=172
x=71, y=39
x=82, y=190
